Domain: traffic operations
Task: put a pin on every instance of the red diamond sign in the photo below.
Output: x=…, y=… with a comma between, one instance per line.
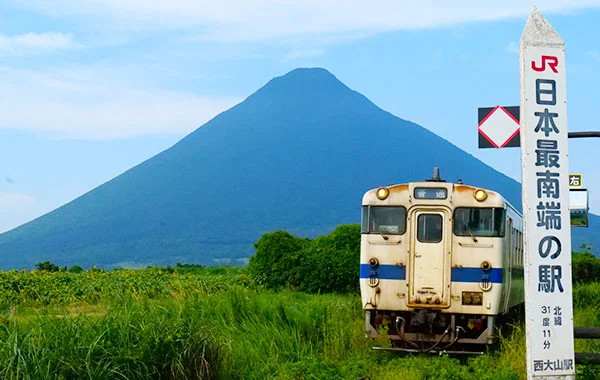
x=499, y=127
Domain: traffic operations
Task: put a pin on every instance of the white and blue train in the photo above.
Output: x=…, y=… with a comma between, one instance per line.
x=440, y=264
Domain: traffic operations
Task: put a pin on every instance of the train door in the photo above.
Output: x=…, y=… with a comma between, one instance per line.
x=429, y=282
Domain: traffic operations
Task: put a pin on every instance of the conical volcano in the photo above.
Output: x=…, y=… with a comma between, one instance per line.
x=298, y=154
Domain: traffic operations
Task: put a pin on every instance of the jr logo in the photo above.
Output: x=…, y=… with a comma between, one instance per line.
x=546, y=59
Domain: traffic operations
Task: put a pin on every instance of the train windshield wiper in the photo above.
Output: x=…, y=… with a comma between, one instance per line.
x=378, y=230
x=470, y=232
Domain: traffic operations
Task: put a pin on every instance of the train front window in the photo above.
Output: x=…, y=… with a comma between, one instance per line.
x=384, y=220
x=474, y=221
x=429, y=228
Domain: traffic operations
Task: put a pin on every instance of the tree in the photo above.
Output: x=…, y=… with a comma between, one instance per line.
x=47, y=266
x=76, y=269
x=276, y=259
x=326, y=264
x=331, y=263
x=586, y=267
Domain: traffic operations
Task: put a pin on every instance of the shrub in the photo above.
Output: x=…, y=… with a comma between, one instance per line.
x=331, y=263
x=276, y=259
x=326, y=264
x=76, y=269
x=586, y=267
x=47, y=266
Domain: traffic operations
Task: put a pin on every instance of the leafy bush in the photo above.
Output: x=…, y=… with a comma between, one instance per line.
x=76, y=269
x=326, y=264
x=47, y=266
x=331, y=263
x=586, y=267
x=277, y=256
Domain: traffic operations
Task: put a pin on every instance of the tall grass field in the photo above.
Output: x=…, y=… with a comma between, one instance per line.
x=217, y=323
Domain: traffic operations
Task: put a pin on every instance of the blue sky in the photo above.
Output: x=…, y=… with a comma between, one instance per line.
x=90, y=88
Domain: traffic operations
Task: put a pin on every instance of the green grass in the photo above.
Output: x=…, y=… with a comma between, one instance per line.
x=217, y=325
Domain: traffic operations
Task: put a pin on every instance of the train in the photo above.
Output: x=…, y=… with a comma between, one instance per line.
x=441, y=264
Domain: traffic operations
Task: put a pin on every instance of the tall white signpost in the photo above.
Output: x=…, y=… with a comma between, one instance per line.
x=545, y=179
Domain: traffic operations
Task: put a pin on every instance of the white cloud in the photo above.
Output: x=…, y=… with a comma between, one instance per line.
x=32, y=43
x=306, y=53
x=267, y=19
x=16, y=209
x=594, y=55
x=513, y=48
x=13, y=201
x=95, y=103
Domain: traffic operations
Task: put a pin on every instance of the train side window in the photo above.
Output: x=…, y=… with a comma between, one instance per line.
x=364, y=220
x=518, y=247
x=384, y=220
x=521, y=248
x=479, y=221
x=429, y=228
x=511, y=242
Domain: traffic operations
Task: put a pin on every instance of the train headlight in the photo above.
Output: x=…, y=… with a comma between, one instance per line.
x=486, y=266
x=382, y=193
x=373, y=262
x=480, y=195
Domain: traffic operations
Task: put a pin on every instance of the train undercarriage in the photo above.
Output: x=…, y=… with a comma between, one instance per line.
x=431, y=331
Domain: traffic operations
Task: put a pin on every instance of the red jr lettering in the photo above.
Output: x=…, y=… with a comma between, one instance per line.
x=550, y=60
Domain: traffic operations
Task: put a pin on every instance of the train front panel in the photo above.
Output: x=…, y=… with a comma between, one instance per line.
x=434, y=250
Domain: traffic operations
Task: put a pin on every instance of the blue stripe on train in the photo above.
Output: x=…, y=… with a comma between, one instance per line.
x=384, y=272
x=476, y=275
x=395, y=272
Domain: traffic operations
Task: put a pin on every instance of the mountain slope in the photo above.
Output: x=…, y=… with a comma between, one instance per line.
x=298, y=154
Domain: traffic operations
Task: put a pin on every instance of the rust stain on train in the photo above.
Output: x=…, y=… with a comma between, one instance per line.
x=464, y=189
x=398, y=188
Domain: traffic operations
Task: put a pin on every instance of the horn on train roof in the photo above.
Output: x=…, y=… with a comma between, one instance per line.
x=436, y=176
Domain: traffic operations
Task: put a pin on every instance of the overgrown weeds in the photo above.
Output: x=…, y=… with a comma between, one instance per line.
x=213, y=326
